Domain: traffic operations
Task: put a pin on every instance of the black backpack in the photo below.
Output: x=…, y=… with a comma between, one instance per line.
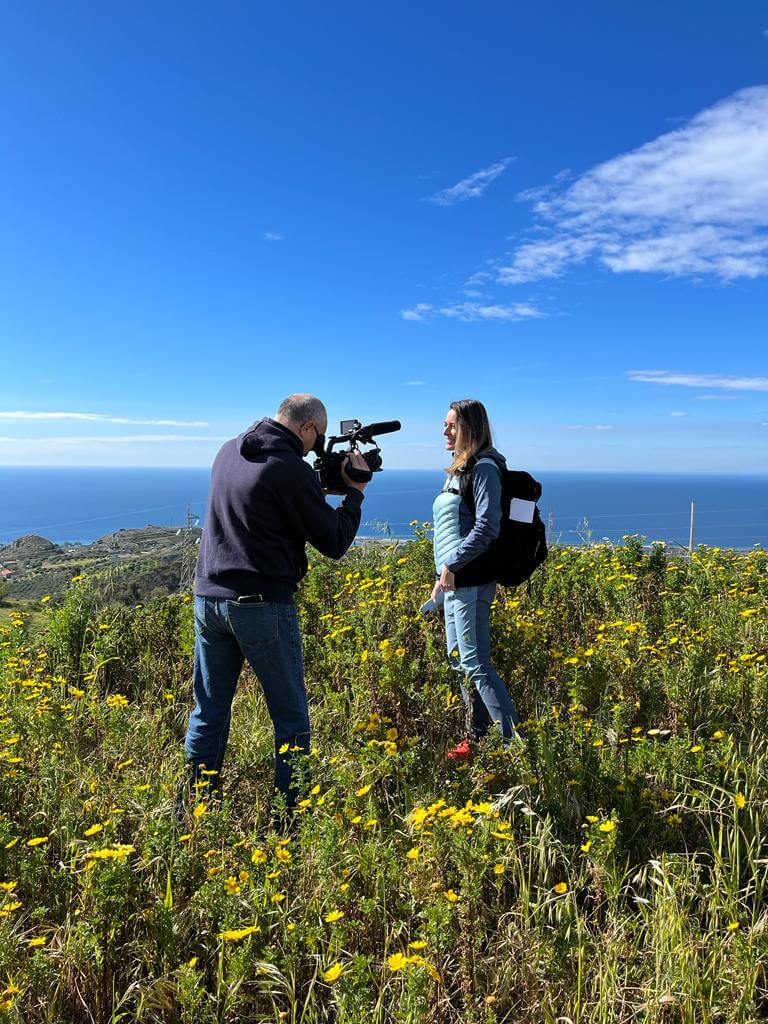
x=520, y=547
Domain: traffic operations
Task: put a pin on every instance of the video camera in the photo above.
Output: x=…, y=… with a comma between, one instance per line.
x=328, y=462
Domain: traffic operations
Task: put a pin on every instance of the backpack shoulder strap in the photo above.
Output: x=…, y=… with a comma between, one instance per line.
x=466, y=481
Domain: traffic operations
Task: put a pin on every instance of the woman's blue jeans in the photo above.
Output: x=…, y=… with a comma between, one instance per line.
x=468, y=637
x=267, y=636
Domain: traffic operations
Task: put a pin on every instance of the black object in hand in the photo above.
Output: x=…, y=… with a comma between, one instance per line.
x=328, y=463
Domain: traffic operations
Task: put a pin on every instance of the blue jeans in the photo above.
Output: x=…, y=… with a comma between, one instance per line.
x=468, y=636
x=267, y=635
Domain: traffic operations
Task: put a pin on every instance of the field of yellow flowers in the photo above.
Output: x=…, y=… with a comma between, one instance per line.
x=614, y=869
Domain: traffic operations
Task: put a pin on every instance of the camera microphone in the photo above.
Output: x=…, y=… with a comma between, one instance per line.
x=387, y=427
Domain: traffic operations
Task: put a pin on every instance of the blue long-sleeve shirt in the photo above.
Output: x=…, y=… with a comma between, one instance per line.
x=477, y=532
x=462, y=535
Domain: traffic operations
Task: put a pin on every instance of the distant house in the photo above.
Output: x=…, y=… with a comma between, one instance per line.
x=5, y=572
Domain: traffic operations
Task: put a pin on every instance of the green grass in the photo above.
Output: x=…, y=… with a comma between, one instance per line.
x=613, y=870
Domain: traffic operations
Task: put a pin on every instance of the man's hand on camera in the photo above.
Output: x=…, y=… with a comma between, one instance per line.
x=356, y=460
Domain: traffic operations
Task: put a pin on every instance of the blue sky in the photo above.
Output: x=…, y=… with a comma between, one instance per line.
x=560, y=210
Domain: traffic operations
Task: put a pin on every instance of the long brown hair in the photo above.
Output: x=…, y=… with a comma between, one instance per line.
x=473, y=432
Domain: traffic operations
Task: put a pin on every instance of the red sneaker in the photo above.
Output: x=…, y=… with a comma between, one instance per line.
x=461, y=752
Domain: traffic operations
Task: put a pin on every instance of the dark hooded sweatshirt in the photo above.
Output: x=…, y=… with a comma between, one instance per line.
x=264, y=504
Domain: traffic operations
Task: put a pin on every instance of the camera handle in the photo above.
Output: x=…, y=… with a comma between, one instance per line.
x=358, y=476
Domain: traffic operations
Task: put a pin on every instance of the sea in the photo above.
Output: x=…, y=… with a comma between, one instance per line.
x=71, y=505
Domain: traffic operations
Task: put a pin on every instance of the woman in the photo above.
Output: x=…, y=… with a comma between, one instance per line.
x=460, y=536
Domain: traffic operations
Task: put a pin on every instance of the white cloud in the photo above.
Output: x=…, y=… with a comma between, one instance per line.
x=471, y=187
x=693, y=201
x=413, y=383
x=719, y=398
x=590, y=426
x=676, y=412
x=699, y=380
x=421, y=311
x=126, y=439
x=95, y=417
x=273, y=236
x=471, y=312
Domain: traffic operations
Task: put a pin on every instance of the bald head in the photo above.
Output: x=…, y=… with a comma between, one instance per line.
x=306, y=416
x=297, y=409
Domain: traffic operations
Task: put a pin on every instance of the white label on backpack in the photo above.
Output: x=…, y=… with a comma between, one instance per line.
x=521, y=510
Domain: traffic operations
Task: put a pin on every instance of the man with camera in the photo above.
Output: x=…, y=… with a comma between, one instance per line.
x=265, y=503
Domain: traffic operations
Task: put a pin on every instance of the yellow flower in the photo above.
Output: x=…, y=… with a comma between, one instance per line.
x=586, y=847
x=696, y=749
x=740, y=800
x=451, y=896
x=498, y=869
x=40, y=941
x=285, y=748
x=117, y=852
x=418, y=944
x=397, y=962
x=93, y=830
x=560, y=888
x=46, y=599
x=37, y=841
x=607, y=826
x=232, y=885
x=363, y=790
x=400, y=652
x=591, y=818
x=414, y=853
x=283, y=855
x=192, y=962
x=258, y=856
x=278, y=897
x=334, y=915
x=199, y=810
x=333, y=973
x=235, y=935
x=732, y=926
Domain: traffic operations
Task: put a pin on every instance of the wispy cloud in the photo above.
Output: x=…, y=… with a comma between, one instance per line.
x=470, y=312
x=125, y=439
x=421, y=311
x=676, y=412
x=471, y=187
x=692, y=202
x=273, y=236
x=590, y=426
x=413, y=383
x=719, y=398
x=95, y=417
x=699, y=380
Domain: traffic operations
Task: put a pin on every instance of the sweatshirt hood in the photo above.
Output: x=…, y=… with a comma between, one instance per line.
x=266, y=437
x=492, y=453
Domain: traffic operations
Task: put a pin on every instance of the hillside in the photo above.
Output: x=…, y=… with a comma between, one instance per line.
x=131, y=565
x=613, y=869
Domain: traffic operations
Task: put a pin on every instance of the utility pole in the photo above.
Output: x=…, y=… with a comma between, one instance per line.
x=188, y=551
x=551, y=524
x=690, y=537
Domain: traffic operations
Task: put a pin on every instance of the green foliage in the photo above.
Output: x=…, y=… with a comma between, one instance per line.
x=612, y=869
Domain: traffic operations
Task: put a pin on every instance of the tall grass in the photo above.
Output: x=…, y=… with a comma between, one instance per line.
x=612, y=870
